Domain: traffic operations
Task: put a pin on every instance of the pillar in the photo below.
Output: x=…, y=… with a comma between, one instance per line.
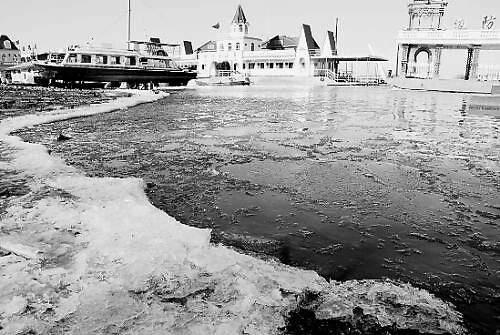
x=437, y=62
x=404, y=60
x=474, y=65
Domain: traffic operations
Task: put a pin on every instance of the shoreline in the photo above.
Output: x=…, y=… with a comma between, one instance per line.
x=121, y=250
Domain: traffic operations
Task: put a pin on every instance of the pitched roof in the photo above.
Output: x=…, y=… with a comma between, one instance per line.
x=331, y=39
x=281, y=42
x=3, y=39
x=239, y=16
x=311, y=43
x=208, y=46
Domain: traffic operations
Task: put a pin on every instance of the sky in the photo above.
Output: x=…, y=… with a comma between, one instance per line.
x=54, y=24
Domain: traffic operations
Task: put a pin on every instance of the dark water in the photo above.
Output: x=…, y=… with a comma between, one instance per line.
x=351, y=182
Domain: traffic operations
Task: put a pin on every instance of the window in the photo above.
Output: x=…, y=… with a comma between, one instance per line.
x=244, y=66
x=72, y=58
x=115, y=60
x=203, y=66
x=261, y=65
x=7, y=45
x=270, y=65
x=229, y=47
x=251, y=66
x=221, y=47
x=279, y=65
x=101, y=59
x=252, y=47
x=289, y=65
x=86, y=59
x=241, y=28
x=237, y=46
x=131, y=60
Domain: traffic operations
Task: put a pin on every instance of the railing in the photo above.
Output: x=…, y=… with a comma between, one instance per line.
x=458, y=36
x=315, y=52
x=348, y=78
x=228, y=73
x=269, y=54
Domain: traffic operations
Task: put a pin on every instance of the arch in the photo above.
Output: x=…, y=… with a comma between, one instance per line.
x=420, y=51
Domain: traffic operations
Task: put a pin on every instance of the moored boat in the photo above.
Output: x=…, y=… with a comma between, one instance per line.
x=90, y=64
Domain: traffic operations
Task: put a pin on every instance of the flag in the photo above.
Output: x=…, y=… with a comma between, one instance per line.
x=216, y=26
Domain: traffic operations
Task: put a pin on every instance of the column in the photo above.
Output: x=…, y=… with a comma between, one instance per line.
x=474, y=64
x=437, y=62
x=404, y=60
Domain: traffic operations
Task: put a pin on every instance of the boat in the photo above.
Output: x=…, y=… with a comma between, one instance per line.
x=102, y=65
x=225, y=78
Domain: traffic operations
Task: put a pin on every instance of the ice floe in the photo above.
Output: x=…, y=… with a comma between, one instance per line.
x=107, y=261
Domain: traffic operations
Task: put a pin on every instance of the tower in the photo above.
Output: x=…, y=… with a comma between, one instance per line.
x=426, y=14
x=239, y=24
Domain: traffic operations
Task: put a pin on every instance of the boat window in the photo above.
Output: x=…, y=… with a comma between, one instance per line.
x=251, y=66
x=72, y=58
x=131, y=60
x=115, y=60
x=237, y=46
x=229, y=47
x=270, y=65
x=86, y=59
x=252, y=47
x=261, y=65
x=144, y=61
x=101, y=59
x=279, y=65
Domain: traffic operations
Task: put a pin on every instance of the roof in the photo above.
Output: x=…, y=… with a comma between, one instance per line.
x=281, y=42
x=239, y=16
x=357, y=58
x=331, y=39
x=208, y=46
x=3, y=39
x=311, y=43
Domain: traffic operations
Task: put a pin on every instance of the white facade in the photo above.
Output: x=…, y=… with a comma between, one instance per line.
x=238, y=51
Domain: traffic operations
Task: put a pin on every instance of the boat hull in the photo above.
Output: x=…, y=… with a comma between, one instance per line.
x=172, y=77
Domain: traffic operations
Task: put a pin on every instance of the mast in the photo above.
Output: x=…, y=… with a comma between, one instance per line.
x=128, y=25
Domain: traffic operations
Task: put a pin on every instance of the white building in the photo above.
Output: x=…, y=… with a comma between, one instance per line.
x=9, y=55
x=281, y=55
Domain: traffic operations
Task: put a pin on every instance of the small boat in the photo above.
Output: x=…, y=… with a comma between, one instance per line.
x=225, y=78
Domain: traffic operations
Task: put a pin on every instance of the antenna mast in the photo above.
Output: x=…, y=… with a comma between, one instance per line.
x=128, y=25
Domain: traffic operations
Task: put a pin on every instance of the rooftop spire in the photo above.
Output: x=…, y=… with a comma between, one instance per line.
x=239, y=16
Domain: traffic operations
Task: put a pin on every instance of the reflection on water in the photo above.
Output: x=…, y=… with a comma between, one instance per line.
x=351, y=182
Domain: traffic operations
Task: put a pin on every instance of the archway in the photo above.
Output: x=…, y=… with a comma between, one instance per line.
x=422, y=63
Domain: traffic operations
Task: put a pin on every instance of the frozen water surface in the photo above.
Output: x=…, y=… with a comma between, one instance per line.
x=354, y=183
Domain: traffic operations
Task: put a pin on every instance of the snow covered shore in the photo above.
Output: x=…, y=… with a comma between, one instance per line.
x=92, y=255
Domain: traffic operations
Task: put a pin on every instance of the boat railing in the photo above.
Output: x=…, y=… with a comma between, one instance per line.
x=228, y=73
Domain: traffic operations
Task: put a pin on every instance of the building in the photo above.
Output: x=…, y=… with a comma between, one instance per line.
x=421, y=44
x=281, y=55
x=9, y=55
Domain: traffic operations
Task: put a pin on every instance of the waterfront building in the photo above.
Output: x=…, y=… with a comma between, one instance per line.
x=281, y=55
x=422, y=44
x=9, y=55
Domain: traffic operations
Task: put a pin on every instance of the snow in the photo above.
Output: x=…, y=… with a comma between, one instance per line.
x=118, y=264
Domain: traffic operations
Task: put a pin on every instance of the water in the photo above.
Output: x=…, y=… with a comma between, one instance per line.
x=351, y=182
